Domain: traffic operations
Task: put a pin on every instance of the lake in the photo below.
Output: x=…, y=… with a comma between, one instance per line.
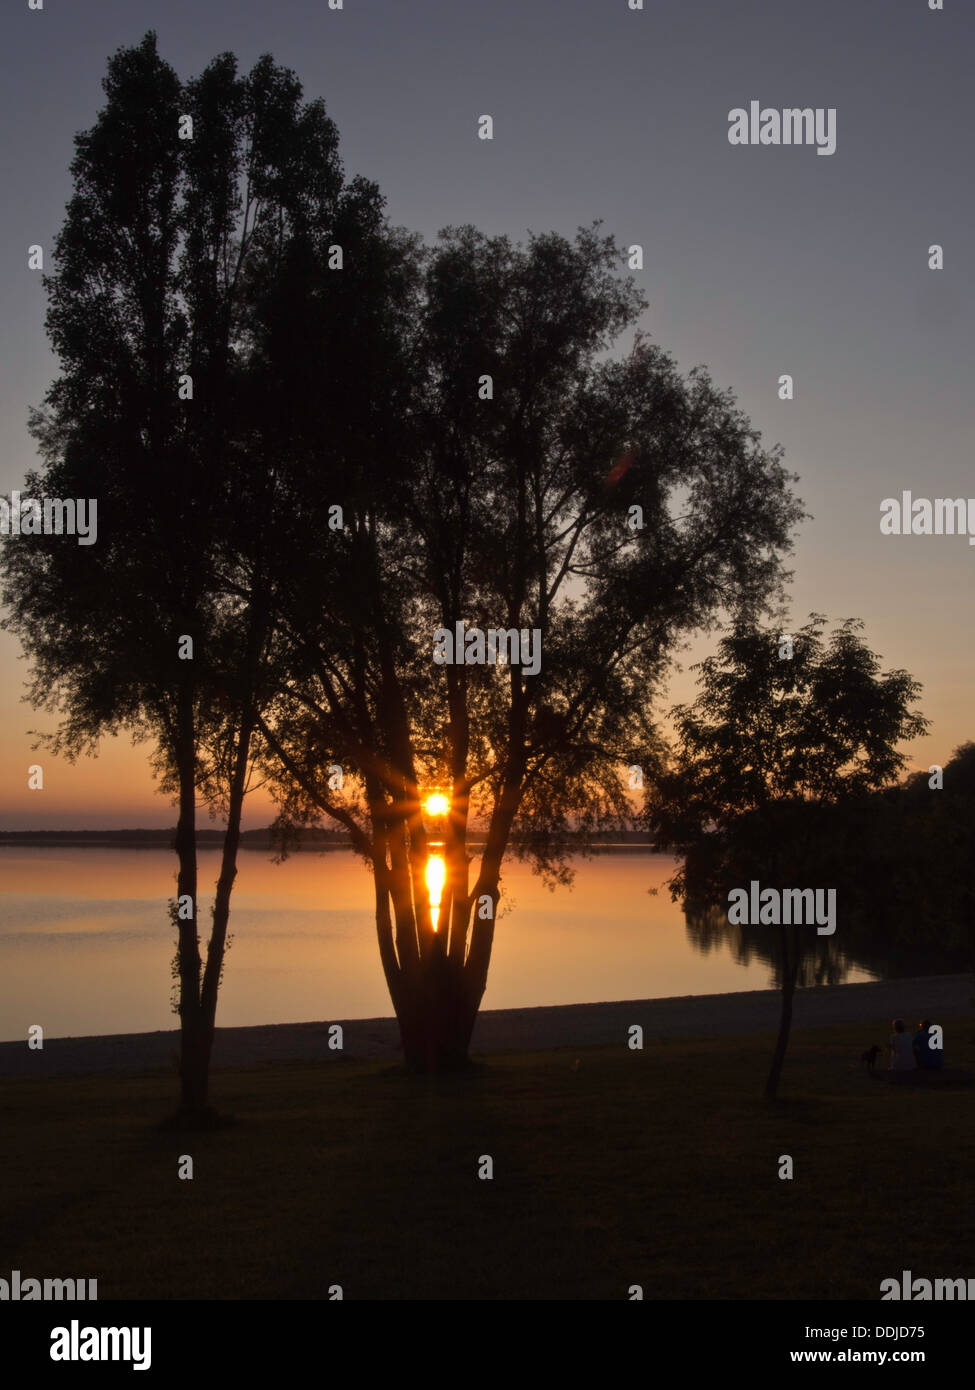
x=86, y=945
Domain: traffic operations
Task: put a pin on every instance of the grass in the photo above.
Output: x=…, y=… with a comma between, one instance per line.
x=657, y=1168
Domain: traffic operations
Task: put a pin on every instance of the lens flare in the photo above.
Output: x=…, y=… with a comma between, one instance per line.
x=437, y=805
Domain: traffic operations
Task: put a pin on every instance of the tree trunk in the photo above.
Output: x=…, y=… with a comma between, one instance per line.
x=437, y=995
x=193, y=1080
x=221, y=909
x=790, y=963
x=436, y=1017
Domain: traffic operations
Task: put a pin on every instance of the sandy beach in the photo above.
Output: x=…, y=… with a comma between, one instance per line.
x=500, y=1030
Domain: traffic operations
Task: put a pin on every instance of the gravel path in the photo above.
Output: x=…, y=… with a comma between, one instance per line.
x=499, y=1030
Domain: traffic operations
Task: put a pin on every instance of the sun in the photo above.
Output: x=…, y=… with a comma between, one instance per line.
x=436, y=804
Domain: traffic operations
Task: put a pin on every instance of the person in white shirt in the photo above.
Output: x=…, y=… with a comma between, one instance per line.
x=901, y=1048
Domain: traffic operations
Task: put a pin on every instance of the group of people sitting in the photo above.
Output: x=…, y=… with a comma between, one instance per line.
x=907, y=1053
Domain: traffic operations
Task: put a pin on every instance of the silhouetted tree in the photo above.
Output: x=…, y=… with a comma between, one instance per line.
x=930, y=846
x=180, y=244
x=530, y=484
x=776, y=741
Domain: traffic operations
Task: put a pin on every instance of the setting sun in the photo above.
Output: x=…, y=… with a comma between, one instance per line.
x=437, y=805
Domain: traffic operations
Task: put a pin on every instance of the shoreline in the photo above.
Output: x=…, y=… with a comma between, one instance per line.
x=531, y=1029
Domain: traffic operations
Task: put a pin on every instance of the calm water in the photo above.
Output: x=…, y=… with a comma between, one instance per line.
x=86, y=945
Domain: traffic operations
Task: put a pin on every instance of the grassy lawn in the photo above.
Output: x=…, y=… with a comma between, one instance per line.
x=657, y=1167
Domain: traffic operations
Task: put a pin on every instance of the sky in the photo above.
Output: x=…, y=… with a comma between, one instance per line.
x=759, y=260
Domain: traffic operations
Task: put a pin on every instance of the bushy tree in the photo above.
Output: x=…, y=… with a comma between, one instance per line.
x=781, y=736
x=532, y=484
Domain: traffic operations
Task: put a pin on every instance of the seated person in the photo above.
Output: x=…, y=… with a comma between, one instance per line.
x=900, y=1048
x=928, y=1057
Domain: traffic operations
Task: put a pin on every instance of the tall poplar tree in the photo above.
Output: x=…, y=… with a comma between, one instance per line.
x=202, y=212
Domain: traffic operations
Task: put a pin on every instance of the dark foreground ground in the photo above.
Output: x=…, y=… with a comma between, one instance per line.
x=611, y=1168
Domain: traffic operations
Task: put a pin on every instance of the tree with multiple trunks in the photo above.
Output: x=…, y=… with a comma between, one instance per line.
x=599, y=509
x=782, y=736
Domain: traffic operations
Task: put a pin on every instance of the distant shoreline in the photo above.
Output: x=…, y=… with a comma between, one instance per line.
x=250, y=839
x=519, y=1030
x=156, y=839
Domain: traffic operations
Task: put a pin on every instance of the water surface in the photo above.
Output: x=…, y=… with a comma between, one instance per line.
x=86, y=945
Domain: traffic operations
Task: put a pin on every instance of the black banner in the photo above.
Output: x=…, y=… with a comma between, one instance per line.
x=156, y=1339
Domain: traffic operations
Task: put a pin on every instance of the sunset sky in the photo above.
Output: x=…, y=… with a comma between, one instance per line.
x=759, y=261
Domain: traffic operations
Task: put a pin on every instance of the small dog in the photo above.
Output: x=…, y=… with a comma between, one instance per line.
x=869, y=1058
